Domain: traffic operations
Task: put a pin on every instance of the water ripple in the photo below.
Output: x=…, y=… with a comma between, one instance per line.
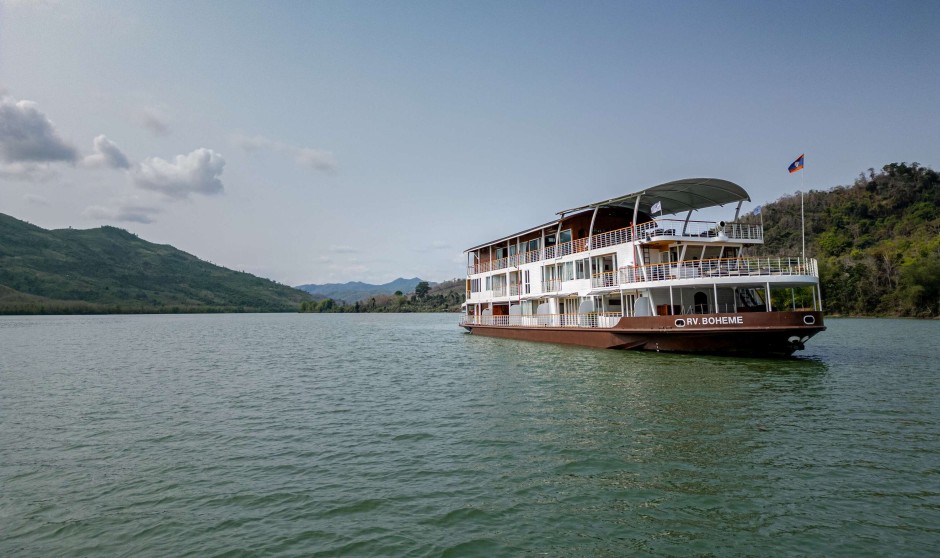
x=383, y=435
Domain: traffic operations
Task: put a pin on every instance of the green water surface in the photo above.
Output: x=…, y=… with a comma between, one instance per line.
x=400, y=435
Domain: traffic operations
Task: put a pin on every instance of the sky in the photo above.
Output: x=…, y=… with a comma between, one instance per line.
x=315, y=142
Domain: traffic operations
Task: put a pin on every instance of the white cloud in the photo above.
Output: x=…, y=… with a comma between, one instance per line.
x=198, y=172
x=316, y=159
x=28, y=137
x=155, y=121
x=107, y=154
x=130, y=212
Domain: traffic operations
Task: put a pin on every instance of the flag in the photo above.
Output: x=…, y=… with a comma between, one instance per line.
x=756, y=211
x=796, y=165
x=657, y=207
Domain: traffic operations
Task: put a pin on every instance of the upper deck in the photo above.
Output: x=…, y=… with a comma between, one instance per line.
x=623, y=220
x=656, y=230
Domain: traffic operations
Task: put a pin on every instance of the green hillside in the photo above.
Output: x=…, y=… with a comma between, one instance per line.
x=877, y=241
x=111, y=270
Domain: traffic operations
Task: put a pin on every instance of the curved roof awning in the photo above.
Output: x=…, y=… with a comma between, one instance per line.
x=677, y=196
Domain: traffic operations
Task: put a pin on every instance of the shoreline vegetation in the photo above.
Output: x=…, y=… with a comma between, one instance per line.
x=877, y=242
x=442, y=297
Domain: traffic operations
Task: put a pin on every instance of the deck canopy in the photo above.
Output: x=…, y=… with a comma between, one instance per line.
x=677, y=196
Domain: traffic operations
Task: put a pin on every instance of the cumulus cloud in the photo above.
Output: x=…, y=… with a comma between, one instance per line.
x=316, y=159
x=107, y=154
x=129, y=212
x=28, y=137
x=198, y=172
x=155, y=121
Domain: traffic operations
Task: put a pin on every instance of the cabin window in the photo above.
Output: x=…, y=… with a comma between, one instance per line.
x=581, y=269
x=512, y=249
x=565, y=236
x=567, y=271
x=489, y=283
x=550, y=240
x=500, y=253
x=533, y=245
x=474, y=285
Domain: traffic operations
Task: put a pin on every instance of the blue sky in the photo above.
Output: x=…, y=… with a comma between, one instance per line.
x=314, y=142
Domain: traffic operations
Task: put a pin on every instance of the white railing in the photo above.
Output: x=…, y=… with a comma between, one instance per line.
x=724, y=267
x=698, y=229
x=590, y=319
x=671, y=228
x=604, y=279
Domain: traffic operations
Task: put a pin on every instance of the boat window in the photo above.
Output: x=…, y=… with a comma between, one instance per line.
x=565, y=236
x=533, y=245
x=581, y=269
x=567, y=271
x=550, y=240
x=500, y=252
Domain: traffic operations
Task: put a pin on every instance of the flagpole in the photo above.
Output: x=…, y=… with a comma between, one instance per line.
x=802, y=216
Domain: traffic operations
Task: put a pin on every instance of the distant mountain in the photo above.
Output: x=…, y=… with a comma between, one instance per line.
x=111, y=270
x=356, y=291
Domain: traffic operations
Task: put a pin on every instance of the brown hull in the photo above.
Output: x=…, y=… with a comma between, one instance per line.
x=758, y=333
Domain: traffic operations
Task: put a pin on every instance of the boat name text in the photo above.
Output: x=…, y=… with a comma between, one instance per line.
x=715, y=320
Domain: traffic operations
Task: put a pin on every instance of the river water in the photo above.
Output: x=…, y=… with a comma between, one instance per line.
x=400, y=435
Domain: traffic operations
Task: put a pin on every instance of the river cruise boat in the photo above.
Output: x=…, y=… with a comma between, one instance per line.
x=638, y=272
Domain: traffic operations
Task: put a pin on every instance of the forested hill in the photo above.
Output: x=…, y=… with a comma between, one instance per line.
x=111, y=270
x=877, y=241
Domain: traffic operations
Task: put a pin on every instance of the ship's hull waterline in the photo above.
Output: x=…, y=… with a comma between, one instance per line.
x=759, y=333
